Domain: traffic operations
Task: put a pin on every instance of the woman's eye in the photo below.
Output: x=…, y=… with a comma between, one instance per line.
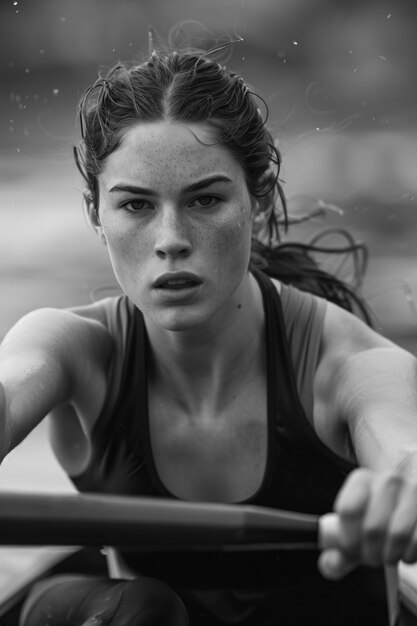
x=205, y=201
x=135, y=206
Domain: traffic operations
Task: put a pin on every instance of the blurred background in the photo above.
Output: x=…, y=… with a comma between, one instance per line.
x=340, y=81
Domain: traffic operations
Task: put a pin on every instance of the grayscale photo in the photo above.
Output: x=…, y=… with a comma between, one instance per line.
x=208, y=329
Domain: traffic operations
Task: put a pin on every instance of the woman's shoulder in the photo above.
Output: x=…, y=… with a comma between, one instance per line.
x=92, y=329
x=300, y=307
x=116, y=317
x=50, y=327
x=109, y=312
x=341, y=330
x=345, y=333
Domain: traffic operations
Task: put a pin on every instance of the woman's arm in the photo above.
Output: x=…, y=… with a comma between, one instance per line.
x=48, y=358
x=366, y=392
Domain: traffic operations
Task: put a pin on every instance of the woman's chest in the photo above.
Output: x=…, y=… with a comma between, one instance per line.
x=213, y=457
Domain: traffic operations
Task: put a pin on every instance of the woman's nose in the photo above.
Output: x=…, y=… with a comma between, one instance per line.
x=172, y=238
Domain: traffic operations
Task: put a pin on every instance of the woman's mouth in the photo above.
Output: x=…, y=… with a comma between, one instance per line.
x=179, y=283
x=176, y=285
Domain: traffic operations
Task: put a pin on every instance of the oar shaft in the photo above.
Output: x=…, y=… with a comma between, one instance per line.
x=147, y=523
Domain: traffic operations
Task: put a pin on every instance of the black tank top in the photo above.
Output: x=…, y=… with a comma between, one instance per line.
x=301, y=474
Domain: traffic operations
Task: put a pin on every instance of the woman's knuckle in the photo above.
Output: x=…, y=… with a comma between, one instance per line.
x=410, y=555
x=392, y=480
x=398, y=537
x=372, y=532
x=346, y=509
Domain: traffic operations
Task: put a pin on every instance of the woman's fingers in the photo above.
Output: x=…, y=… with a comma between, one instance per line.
x=377, y=523
x=351, y=506
x=384, y=494
x=410, y=553
x=401, y=540
x=334, y=564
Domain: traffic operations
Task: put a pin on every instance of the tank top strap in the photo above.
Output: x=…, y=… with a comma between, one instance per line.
x=287, y=417
x=136, y=389
x=132, y=387
x=284, y=407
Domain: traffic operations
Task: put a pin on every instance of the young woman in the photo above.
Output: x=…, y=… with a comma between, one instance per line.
x=211, y=379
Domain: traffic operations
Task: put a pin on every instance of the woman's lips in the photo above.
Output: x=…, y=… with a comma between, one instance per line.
x=179, y=283
x=173, y=288
x=176, y=280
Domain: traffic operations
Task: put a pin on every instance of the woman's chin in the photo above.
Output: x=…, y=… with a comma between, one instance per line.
x=179, y=321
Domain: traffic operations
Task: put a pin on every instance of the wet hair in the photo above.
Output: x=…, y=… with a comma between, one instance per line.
x=191, y=87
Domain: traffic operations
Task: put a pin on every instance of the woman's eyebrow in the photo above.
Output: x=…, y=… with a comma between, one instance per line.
x=206, y=182
x=201, y=184
x=131, y=189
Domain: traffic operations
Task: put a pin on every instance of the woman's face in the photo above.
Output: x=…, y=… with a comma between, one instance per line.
x=176, y=216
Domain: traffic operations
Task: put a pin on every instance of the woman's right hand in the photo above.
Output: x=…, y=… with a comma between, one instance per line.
x=375, y=523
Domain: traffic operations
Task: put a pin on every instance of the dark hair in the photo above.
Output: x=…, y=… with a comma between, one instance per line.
x=191, y=87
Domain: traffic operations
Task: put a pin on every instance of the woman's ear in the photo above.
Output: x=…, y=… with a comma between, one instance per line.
x=93, y=216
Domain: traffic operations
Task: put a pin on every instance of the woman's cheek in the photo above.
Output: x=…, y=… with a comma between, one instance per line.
x=125, y=255
x=233, y=239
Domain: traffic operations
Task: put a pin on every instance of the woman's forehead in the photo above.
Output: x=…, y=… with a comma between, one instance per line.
x=169, y=149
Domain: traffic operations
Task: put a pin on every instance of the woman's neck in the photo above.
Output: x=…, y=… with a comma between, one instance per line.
x=202, y=367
